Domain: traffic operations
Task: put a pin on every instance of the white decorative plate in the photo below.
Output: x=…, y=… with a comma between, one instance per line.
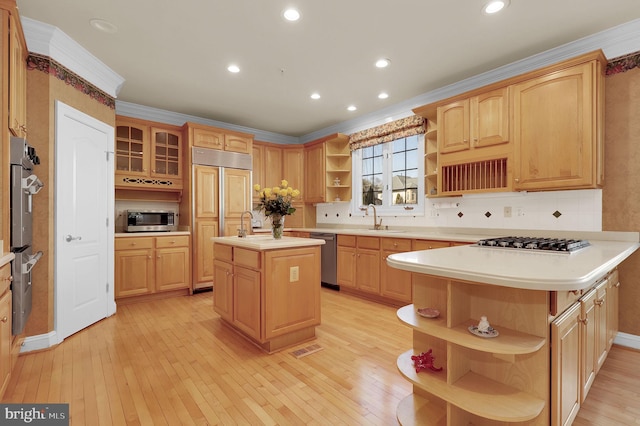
x=491, y=332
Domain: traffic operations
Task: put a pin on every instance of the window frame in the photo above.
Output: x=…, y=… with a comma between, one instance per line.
x=388, y=208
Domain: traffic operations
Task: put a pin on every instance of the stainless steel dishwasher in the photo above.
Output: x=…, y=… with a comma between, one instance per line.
x=329, y=270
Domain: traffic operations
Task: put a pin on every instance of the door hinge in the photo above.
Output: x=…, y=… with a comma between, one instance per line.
x=107, y=287
x=107, y=224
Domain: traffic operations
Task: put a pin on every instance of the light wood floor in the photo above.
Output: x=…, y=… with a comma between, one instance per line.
x=172, y=362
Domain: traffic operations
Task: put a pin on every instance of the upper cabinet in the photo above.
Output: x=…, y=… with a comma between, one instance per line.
x=542, y=130
x=148, y=155
x=327, y=167
x=557, y=125
x=272, y=163
x=215, y=138
x=17, y=78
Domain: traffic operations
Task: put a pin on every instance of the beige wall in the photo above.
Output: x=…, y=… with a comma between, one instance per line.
x=42, y=92
x=621, y=193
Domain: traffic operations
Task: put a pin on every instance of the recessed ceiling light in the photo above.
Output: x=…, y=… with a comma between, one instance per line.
x=383, y=95
x=351, y=108
x=233, y=68
x=315, y=96
x=291, y=14
x=494, y=6
x=104, y=26
x=383, y=63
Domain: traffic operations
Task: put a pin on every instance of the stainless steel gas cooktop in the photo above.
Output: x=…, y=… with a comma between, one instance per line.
x=535, y=243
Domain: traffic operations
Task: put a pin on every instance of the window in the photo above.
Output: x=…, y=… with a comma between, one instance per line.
x=389, y=175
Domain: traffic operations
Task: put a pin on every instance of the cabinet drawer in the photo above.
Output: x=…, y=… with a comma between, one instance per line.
x=223, y=252
x=5, y=278
x=173, y=241
x=347, y=240
x=134, y=243
x=429, y=244
x=396, y=244
x=248, y=258
x=561, y=300
x=372, y=243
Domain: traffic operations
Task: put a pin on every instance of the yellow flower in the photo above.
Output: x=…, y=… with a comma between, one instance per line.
x=275, y=189
x=295, y=193
x=283, y=192
x=289, y=190
x=267, y=192
x=256, y=187
x=284, y=183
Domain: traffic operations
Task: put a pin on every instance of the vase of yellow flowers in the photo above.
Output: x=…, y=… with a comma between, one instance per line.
x=276, y=204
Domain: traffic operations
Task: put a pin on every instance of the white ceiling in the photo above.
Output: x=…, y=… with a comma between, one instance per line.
x=173, y=54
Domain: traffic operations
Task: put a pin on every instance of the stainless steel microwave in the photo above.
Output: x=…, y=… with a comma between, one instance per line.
x=151, y=220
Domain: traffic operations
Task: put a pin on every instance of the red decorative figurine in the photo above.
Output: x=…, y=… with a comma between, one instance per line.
x=424, y=361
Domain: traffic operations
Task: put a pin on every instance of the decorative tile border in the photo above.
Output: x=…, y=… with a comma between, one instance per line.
x=623, y=63
x=51, y=67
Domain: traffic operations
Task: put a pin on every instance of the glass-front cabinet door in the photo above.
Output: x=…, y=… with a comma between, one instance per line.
x=131, y=149
x=166, y=161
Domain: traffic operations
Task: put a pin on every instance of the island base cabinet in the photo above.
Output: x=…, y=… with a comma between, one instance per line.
x=271, y=297
x=565, y=375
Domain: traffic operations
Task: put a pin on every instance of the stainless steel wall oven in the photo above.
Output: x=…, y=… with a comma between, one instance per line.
x=24, y=184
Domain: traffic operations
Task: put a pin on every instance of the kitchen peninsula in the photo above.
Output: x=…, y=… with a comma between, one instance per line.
x=531, y=299
x=268, y=290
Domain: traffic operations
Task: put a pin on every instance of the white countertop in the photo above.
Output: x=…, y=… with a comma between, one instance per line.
x=150, y=234
x=267, y=242
x=526, y=269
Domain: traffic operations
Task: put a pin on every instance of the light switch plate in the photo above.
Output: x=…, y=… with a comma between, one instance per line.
x=294, y=274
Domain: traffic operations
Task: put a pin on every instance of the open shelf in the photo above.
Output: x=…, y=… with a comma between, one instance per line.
x=475, y=393
x=509, y=342
x=416, y=410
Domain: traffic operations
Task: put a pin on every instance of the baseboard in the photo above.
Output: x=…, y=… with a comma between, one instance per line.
x=39, y=342
x=628, y=340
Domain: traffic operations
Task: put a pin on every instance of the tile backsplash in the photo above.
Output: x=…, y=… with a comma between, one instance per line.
x=577, y=210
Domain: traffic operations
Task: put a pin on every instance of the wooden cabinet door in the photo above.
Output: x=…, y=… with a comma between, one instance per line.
x=246, y=301
x=203, y=268
x=489, y=114
x=206, y=192
x=223, y=289
x=613, y=301
x=368, y=270
x=565, y=361
x=132, y=148
x=238, y=143
x=5, y=340
x=172, y=272
x=134, y=272
x=166, y=153
x=293, y=169
x=273, y=167
x=258, y=170
x=209, y=138
x=602, y=338
x=314, y=174
x=588, y=342
x=395, y=283
x=553, y=130
x=453, y=127
x=346, y=266
x=237, y=192
x=18, y=80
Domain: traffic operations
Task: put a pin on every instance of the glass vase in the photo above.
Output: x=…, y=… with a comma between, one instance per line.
x=277, y=226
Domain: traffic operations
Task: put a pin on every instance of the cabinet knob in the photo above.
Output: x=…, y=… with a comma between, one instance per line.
x=585, y=321
x=158, y=256
x=599, y=302
x=5, y=319
x=517, y=180
x=575, y=292
x=9, y=278
x=617, y=285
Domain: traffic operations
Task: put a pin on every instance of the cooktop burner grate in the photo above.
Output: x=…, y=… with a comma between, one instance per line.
x=535, y=243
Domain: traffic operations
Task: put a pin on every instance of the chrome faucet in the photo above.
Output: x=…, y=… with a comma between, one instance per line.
x=242, y=233
x=376, y=225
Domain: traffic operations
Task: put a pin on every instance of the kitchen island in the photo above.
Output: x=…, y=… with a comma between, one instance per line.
x=513, y=374
x=268, y=290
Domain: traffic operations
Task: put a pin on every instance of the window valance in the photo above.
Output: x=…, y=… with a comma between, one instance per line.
x=402, y=128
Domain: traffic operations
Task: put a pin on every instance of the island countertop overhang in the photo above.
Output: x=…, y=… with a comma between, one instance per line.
x=267, y=242
x=524, y=269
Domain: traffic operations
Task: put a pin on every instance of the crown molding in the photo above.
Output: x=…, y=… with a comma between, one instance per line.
x=47, y=40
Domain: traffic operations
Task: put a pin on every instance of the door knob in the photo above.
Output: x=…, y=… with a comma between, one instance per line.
x=69, y=238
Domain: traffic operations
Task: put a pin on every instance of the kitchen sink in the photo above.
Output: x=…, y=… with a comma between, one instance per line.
x=387, y=231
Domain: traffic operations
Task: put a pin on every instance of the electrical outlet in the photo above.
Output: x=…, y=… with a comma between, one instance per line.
x=507, y=211
x=294, y=274
x=519, y=211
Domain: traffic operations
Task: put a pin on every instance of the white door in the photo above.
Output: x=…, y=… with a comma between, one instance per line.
x=84, y=221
